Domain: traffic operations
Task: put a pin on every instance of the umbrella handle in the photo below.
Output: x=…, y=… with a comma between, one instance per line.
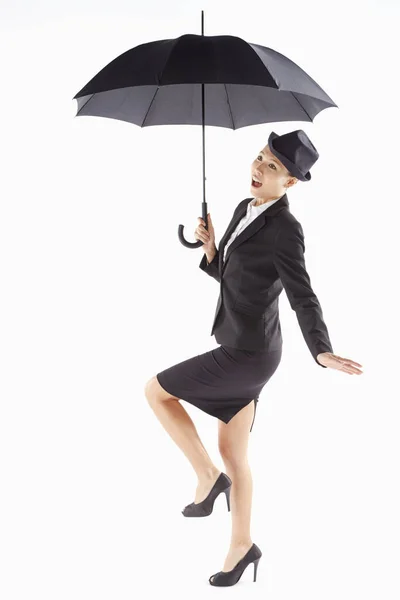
x=180, y=230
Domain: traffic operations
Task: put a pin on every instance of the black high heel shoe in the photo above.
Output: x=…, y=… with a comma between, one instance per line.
x=205, y=507
x=223, y=578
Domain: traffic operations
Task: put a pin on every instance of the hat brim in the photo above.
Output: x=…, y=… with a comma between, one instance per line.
x=290, y=166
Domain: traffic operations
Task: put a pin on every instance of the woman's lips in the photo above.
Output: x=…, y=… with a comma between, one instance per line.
x=253, y=184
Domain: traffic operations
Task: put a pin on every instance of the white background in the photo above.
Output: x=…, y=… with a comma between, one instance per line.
x=98, y=295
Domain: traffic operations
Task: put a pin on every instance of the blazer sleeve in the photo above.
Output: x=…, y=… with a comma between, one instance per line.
x=290, y=264
x=212, y=267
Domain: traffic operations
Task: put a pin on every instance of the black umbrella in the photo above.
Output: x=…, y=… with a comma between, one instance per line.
x=217, y=80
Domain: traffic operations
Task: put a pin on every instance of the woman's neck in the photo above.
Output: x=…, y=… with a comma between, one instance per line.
x=259, y=201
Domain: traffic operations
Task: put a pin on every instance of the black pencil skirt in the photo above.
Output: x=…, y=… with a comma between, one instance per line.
x=221, y=381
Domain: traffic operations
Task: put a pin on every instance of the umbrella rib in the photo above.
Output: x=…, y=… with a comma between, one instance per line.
x=147, y=112
x=85, y=103
x=301, y=106
x=230, y=111
x=159, y=77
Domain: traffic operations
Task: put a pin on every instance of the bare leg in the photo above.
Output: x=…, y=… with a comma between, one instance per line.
x=178, y=424
x=233, y=441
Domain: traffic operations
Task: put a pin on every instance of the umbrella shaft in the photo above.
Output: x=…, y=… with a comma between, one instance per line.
x=204, y=133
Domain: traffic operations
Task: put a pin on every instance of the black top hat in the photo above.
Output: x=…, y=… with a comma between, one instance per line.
x=296, y=151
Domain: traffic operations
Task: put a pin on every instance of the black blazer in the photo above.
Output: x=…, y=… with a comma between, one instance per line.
x=267, y=256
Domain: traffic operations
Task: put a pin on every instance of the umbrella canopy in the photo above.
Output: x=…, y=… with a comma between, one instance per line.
x=222, y=81
x=160, y=82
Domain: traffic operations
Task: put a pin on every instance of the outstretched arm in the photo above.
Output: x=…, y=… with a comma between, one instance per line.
x=290, y=264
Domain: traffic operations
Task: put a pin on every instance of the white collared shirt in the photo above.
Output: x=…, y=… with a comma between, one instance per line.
x=252, y=213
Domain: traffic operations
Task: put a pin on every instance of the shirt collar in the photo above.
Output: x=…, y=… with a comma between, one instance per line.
x=259, y=209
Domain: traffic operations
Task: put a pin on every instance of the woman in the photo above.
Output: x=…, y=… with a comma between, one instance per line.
x=261, y=252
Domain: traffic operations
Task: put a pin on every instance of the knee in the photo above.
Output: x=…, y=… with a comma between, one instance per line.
x=232, y=458
x=150, y=388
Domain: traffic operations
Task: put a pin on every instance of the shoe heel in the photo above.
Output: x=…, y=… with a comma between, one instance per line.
x=256, y=567
x=228, y=500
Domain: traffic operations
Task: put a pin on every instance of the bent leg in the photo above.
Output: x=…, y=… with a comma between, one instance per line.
x=178, y=424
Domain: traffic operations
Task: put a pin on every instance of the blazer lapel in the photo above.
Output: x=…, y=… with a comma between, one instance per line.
x=249, y=230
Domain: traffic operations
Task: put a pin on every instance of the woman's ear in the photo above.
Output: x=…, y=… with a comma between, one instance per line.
x=291, y=181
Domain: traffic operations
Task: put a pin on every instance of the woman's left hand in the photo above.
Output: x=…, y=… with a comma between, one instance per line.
x=338, y=362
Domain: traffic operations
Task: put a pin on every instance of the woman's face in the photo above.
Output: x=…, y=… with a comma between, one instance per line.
x=273, y=175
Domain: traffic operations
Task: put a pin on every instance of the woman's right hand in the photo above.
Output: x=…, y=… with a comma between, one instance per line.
x=207, y=236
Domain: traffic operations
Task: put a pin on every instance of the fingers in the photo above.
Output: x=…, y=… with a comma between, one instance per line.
x=350, y=364
x=347, y=367
x=345, y=364
x=209, y=222
x=348, y=360
x=201, y=233
x=345, y=370
x=353, y=362
x=204, y=236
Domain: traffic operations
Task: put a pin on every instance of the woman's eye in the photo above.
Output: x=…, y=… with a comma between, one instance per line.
x=269, y=163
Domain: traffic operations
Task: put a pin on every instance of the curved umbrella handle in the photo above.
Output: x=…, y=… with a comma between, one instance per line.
x=180, y=230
